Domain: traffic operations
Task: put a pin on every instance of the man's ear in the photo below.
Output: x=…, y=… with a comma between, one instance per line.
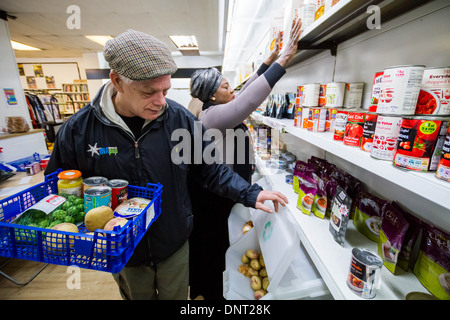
x=116, y=81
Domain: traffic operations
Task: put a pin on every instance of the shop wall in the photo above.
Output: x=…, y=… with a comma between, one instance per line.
x=9, y=79
x=418, y=37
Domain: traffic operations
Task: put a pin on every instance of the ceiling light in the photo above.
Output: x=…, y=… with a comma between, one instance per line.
x=99, y=39
x=20, y=46
x=185, y=42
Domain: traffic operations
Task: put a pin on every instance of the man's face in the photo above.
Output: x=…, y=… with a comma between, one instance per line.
x=145, y=99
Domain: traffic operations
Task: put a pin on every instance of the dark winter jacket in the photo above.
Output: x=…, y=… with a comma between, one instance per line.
x=98, y=146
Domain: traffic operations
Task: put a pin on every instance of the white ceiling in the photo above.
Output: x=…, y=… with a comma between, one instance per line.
x=43, y=23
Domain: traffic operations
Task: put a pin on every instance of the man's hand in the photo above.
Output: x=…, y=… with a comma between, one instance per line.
x=275, y=196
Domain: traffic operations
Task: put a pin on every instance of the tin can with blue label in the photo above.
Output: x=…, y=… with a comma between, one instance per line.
x=96, y=197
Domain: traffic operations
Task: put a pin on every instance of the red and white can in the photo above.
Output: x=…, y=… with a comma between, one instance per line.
x=119, y=191
x=400, y=90
x=386, y=137
x=335, y=94
x=376, y=91
x=311, y=94
x=370, y=123
x=434, y=96
x=353, y=95
x=354, y=128
x=340, y=124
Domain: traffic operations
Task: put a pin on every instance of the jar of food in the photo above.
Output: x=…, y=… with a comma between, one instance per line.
x=70, y=182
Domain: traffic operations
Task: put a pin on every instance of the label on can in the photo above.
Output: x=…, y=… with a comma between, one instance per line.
x=376, y=91
x=340, y=124
x=434, y=96
x=417, y=142
x=370, y=123
x=316, y=120
x=353, y=94
x=96, y=197
x=365, y=273
x=323, y=95
x=311, y=94
x=400, y=90
x=305, y=117
x=330, y=119
x=119, y=191
x=335, y=94
x=385, y=137
x=354, y=128
x=443, y=168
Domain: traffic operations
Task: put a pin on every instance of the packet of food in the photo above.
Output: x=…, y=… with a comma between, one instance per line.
x=307, y=189
x=408, y=255
x=340, y=212
x=319, y=207
x=367, y=214
x=432, y=267
x=392, y=233
x=131, y=208
x=301, y=167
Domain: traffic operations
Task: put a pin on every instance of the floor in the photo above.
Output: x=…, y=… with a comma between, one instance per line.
x=55, y=283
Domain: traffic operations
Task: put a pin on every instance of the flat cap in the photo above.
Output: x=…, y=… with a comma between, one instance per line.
x=139, y=56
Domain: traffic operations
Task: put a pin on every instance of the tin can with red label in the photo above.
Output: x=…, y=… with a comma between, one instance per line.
x=340, y=124
x=434, y=96
x=385, y=137
x=443, y=168
x=119, y=191
x=316, y=120
x=370, y=123
x=330, y=119
x=376, y=91
x=400, y=90
x=418, y=142
x=354, y=128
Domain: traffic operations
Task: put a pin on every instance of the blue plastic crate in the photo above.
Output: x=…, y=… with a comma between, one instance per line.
x=102, y=250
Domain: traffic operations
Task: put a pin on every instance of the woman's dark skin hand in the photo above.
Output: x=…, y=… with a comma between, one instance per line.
x=291, y=48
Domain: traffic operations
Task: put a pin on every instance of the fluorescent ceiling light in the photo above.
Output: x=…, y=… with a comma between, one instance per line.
x=185, y=42
x=99, y=39
x=20, y=46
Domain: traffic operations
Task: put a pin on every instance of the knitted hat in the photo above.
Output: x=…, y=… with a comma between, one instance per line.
x=139, y=56
x=204, y=83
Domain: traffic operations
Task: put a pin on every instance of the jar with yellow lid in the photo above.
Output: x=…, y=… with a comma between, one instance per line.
x=70, y=182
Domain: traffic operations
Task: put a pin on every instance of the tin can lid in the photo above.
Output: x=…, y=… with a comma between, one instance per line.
x=367, y=257
x=406, y=65
x=69, y=175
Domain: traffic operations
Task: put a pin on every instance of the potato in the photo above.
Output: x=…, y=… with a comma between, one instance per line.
x=252, y=254
x=245, y=259
x=255, y=282
x=259, y=294
x=263, y=272
x=251, y=272
x=247, y=226
x=98, y=217
x=243, y=268
x=255, y=265
x=265, y=283
x=58, y=241
x=261, y=261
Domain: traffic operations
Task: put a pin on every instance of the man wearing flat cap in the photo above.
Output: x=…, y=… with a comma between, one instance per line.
x=131, y=116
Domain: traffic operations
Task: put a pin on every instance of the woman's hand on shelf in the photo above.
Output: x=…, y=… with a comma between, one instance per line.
x=275, y=196
x=292, y=46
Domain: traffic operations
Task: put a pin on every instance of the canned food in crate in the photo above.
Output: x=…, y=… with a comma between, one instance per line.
x=354, y=128
x=119, y=191
x=330, y=119
x=316, y=120
x=323, y=95
x=400, y=90
x=376, y=91
x=96, y=197
x=365, y=273
x=340, y=124
x=311, y=94
x=419, y=142
x=386, y=137
x=370, y=123
x=335, y=94
x=353, y=94
x=443, y=168
x=434, y=96
x=93, y=182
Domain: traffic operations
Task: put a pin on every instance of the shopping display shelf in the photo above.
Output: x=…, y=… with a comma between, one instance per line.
x=331, y=260
x=425, y=185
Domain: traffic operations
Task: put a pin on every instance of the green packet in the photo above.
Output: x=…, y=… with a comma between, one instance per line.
x=367, y=214
x=432, y=267
x=307, y=189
